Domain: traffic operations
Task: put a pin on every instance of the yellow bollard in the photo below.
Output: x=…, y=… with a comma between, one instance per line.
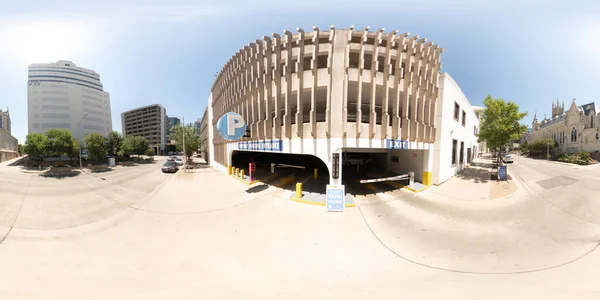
x=316, y=173
x=229, y=169
x=235, y=170
x=299, y=190
x=242, y=174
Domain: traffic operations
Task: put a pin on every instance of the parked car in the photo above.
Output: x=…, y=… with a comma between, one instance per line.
x=170, y=167
x=178, y=161
x=508, y=159
x=355, y=160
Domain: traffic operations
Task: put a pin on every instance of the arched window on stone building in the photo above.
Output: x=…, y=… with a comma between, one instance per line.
x=597, y=136
x=573, y=135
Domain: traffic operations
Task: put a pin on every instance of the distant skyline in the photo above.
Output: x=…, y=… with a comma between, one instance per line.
x=529, y=52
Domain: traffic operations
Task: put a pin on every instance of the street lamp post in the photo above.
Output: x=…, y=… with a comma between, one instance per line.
x=81, y=144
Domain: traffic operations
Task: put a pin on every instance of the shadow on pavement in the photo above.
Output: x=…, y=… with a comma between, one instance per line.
x=476, y=175
x=257, y=188
x=60, y=175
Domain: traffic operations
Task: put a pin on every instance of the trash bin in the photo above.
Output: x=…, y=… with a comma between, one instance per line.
x=111, y=161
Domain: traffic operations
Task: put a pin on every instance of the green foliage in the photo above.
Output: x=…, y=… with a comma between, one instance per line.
x=582, y=159
x=500, y=122
x=59, y=142
x=96, y=145
x=113, y=143
x=134, y=145
x=150, y=152
x=34, y=145
x=192, y=139
x=585, y=156
x=540, y=147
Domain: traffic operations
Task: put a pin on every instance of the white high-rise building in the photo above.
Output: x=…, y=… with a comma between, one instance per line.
x=62, y=95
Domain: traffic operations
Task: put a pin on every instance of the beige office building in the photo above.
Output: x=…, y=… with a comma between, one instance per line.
x=149, y=122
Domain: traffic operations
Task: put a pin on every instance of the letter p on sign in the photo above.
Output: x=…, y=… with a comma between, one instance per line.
x=233, y=122
x=231, y=126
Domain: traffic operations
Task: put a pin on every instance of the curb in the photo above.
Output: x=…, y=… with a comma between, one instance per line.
x=407, y=187
x=255, y=181
x=515, y=180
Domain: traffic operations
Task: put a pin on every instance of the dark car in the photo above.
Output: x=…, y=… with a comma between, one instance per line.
x=170, y=167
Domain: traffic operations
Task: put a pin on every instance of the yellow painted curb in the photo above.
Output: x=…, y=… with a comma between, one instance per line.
x=255, y=181
x=407, y=187
x=299, y=200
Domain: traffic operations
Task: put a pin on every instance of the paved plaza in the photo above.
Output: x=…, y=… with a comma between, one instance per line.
x=135, y=233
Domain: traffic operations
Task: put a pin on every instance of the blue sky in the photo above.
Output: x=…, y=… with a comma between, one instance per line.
x=529, y=52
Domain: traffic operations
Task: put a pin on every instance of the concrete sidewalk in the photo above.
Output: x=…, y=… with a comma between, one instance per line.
x=475, y=183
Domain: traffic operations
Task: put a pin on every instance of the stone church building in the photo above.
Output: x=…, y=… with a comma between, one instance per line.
x=573, y=130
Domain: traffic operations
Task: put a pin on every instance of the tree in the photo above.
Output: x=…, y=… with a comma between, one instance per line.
x=134, y=145
x=500, y=122
x=150, y=152
x=96, y=144
x=192, y=139
x=114, y=142
x=35, y=145
x=59, y=142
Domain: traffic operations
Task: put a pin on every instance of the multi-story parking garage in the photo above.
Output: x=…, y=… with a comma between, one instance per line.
x=366, y=98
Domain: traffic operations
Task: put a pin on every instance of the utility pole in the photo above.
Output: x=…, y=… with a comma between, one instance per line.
x=81, y=144
x=184, y=156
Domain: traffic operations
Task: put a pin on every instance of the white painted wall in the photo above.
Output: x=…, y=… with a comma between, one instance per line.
x=448, y=129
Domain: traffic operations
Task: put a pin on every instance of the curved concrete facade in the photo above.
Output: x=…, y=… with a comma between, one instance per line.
x=320, y=91
x=60, y=94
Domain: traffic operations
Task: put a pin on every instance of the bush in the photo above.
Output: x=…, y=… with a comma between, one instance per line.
x=585, y=156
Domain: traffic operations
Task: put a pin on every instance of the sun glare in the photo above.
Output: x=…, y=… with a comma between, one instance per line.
x=33, y=42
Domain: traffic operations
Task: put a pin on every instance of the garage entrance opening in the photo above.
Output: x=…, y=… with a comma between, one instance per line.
x=289, y=169
x=371, y=171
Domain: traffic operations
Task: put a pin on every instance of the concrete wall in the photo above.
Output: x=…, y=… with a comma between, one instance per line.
x=450, y=129
x=8, y=145
x=408, y=160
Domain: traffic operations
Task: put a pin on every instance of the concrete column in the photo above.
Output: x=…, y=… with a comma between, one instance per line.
x=385, y=114
x=373, y=98
x=299, y=105
x=406, y=88
x=338, y=75
x=330, y=84
x=427, y=178
x=268, y=84
x=287, y=117
x=361, y=61
x=277, y=91
x=396, y=121
x=260, y=88
x=313, y=90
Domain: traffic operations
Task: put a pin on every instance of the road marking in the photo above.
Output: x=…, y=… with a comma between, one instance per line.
x=285, y=181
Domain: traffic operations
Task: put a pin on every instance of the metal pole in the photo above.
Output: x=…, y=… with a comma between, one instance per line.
x=81, y=144
x=184, y=156
x=547, y=151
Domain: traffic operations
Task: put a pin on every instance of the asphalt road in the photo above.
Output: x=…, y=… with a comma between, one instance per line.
x=206, y=235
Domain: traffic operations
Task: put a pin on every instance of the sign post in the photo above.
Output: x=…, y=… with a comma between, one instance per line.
x=335, y=198
x=252, y=171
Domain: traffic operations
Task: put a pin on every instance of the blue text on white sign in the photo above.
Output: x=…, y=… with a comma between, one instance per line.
x=275, y=145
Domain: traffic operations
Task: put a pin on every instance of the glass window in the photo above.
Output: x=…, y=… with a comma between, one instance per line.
x=454, y=146
x=456, y=111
